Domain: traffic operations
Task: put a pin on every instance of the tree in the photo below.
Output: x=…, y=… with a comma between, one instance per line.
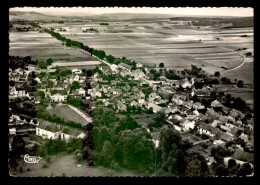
x=231, y=163
x=161, y=65
x=240, y=84
x=216, y=74
x=194, y=168
x=169, y=140
x=49, y=61
x=159, y=120
x=35, y=121
x=74, y=85
x=244, y=170
x=153, y=71
x=21, y=117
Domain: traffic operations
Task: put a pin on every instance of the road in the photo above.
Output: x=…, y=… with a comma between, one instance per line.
x=237, y=66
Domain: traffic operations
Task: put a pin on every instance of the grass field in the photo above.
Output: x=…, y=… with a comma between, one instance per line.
x=65, y=112
x=66, y=164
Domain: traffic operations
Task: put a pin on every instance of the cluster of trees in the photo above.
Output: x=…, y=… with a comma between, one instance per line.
x=99, y=53
x=236, y=103
x=75, y=85
x=74, y=100
x=118, y=143
x=55, y=119
x=171, y=75
x=158, y=121
x=44, y=65
x=23, y=106
x=233, y=169
x=54, y=147
x=16, y=62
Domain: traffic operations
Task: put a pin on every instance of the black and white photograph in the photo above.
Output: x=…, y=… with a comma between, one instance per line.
x=131, y=92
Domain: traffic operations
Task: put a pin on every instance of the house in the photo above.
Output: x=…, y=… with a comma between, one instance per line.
x=169, y=110
x=31, y=67
x=121, y=106
x=81, y=91
x=218, y=143
x=76, y=71
x=187, y=125
x=17, y=92
x=38, y=80
x=48, y=130
x=113, y=68
x=123, y=65
x=198, y=106
x=226, y=137
x=68, y=133
x=185, y=83
x=134, y=103
x=215, y=103
x=12, y=131
x=58, y=97
x=139, y=65
x=155, y=107
x=141, y=102
x=204, y=128
x=117, y=91
x=178, y=99
x=188, y=104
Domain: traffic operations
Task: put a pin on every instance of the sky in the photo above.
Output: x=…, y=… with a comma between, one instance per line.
x=223, y=11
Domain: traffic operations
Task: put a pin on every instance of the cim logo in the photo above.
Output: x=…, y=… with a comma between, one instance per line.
x=31, y=159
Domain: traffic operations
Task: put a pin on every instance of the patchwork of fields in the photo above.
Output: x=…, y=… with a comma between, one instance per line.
x=41, y=46
x=176, y=45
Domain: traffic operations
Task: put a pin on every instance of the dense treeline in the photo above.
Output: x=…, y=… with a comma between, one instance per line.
x=23, y=106
x=16, y=62
x=99, y=53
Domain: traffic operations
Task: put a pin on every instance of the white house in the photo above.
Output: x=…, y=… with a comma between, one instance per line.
x=58, y=97
x=155, y=107
x=31, y=67
x=48, y=130
x=114, y=67
x=12, y=131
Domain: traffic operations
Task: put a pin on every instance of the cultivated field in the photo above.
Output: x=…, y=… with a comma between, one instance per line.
x=41, y=46
x=173, y=43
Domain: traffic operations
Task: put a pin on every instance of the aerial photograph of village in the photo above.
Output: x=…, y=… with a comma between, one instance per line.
x=131, y=92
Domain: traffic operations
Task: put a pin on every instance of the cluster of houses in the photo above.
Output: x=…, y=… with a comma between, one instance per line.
x=61, y=87
x=19, y=77
x=217, y=122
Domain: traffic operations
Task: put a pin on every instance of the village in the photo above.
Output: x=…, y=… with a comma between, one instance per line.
x=127, y=91
x=51, y=102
